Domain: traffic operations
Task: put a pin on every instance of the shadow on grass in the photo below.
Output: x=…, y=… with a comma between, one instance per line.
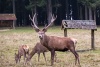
x=84, y=50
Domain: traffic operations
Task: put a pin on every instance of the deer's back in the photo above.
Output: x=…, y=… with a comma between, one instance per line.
x=23, y=49
x=39, y=47
x=59, y=42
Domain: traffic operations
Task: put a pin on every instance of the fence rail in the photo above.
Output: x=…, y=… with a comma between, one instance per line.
x=80, y=24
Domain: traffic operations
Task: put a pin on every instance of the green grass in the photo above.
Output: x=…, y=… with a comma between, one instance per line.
x=11, y=39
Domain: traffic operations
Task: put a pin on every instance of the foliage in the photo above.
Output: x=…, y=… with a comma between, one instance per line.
x=41, y=3
x=33, y=3
x=57, y=4
x=90, y=3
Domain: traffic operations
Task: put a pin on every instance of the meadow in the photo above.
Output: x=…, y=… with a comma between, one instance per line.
x=11, y=39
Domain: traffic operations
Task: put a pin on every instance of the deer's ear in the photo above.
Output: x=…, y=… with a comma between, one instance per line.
x=37, y=30
x=45, y=30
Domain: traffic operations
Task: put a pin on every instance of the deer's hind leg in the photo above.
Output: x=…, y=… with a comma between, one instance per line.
x=52, y=56
x=76, y=55
x=55, y=57
x=38, y=56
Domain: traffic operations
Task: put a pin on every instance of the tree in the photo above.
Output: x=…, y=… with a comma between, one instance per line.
x=92, y=5
x=49, y=10
x=14, y=22
x=33, y=4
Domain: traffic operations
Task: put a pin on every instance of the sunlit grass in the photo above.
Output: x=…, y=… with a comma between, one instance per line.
x=11, y=39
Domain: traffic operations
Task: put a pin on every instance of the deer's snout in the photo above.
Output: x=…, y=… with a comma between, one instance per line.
x=40, y=37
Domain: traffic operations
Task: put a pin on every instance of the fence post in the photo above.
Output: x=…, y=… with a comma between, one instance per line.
x=92, y=39
x=65, y=32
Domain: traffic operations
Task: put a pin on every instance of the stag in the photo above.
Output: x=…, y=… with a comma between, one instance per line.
x=54, y=43
x=23, y=50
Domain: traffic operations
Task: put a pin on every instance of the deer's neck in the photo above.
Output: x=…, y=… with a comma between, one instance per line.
x=31, y=54
x=45, y=40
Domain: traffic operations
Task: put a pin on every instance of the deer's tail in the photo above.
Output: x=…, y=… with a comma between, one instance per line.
x=74, y=40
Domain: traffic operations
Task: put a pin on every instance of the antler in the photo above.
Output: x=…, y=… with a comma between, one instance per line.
x=52, y=20
x=33, y=20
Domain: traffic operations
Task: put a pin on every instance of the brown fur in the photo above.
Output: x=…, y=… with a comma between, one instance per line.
x=38, y=49
x=54, y=43
x=23, y=50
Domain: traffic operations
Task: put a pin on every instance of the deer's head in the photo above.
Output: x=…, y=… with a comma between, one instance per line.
x=41, y=32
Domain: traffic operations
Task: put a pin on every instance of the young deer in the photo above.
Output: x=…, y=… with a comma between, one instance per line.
x=54, y=43
x=23, y=50
x=38, y=49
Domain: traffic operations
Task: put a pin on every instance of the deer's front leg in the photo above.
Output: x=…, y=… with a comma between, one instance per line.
x=19, y=58
x=24, y=56
x=52, y=56
x=28, y=53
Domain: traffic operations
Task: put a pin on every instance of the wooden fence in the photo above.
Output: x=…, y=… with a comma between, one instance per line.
x=80, y=24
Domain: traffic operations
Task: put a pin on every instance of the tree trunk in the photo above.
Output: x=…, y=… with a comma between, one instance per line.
x=78, y=10
x=49, y=11
x=14, y=22
x=81, y=13
x=95, y=14
x=67, y=11
x=90, y=13
x=35, y=11
x=86, y=15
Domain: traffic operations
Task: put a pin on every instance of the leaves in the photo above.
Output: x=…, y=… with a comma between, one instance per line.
x=41, y=3
x=90, y=3
x=33, y=3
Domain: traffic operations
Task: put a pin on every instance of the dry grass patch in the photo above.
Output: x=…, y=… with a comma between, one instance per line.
x=11, y=39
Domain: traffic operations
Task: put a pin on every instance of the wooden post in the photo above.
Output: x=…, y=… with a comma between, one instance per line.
x=92, y=39
x=65, y=32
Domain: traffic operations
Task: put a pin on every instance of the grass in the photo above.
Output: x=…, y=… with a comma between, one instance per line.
x=11, y=39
